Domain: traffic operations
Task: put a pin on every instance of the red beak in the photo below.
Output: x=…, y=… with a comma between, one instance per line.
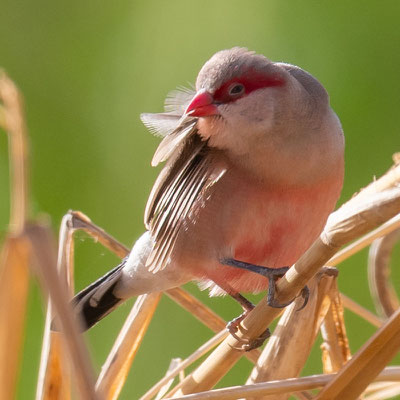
x=202, y=105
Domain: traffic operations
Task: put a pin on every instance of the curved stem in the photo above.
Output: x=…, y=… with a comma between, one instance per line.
x=12, y=120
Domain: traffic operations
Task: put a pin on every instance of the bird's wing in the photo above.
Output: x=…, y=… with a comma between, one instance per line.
x=186, y=179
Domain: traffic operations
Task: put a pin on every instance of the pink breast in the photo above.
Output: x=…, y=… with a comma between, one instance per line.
x=275, y=226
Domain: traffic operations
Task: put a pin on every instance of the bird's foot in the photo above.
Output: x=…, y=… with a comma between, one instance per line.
x=245, y=344
x=273, y=274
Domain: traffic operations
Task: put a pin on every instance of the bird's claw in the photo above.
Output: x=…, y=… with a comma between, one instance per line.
x=272, y=302
x=233, y=326
x=245, y=344
x=305, y=294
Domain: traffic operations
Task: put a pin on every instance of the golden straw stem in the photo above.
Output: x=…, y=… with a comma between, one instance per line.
x=355, y=247
x=45, y=262
x=280, y=386
x=290, y=344
x=214, y=341
x=366, y=364
x=14, y=285
x=13, y=122
x=115, y=370
x=389, y=392
x=54, y=379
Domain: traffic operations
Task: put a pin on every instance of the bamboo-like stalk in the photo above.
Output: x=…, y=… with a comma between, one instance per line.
x=352, y=220
x=14, y=282
x=279, y=387
x=14, y=124
x=366, y=364
x=54, y=381
x=288, y=348
x=43, y=250
x=383, y=230
x=115, y=370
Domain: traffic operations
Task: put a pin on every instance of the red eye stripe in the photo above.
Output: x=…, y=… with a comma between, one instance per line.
x=251, y=82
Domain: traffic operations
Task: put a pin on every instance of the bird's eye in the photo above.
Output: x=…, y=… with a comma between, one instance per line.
x=236, y=89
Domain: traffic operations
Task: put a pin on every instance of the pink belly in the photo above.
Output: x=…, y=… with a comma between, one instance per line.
x=259, y=224
x=273, y=227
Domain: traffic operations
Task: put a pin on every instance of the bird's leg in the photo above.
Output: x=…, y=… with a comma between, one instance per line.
x=272, y=274
x=234, y=325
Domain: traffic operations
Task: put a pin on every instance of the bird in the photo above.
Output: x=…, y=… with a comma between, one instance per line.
x=254, y=165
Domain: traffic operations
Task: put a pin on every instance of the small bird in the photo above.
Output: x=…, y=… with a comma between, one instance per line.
x=254, y=166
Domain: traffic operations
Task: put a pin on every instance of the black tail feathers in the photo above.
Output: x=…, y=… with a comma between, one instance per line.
x=98, y=299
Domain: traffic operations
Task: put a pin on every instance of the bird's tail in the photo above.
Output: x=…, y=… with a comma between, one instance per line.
x=98, y=299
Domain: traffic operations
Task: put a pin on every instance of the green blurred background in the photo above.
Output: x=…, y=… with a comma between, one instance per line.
x=89, y=68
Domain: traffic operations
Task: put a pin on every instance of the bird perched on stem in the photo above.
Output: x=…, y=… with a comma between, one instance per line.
x=254, y=166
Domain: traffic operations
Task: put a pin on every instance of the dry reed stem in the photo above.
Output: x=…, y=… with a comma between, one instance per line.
x=115, y=370
x=205, y=315
x=390, y=179
x=291, y=385
x=383, y=292
x=43, y=250
x=14, y=285
x=383, y=230
x=366, y=364
x=377, y=386
x=389, y=392
x=203, y=349
x=175, y=362
x=335, y=346
x=80, y=221
x=14, y=124
x=352, y=220
x=359, y=310
x=289, y=346
x=14, y=258
x=54, y=381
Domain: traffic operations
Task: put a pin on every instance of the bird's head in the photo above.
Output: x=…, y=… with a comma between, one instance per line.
x=245, y=100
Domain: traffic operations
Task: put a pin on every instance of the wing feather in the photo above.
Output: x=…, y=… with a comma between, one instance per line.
x=186, y=179
x=160, y=124
x=186, y=182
